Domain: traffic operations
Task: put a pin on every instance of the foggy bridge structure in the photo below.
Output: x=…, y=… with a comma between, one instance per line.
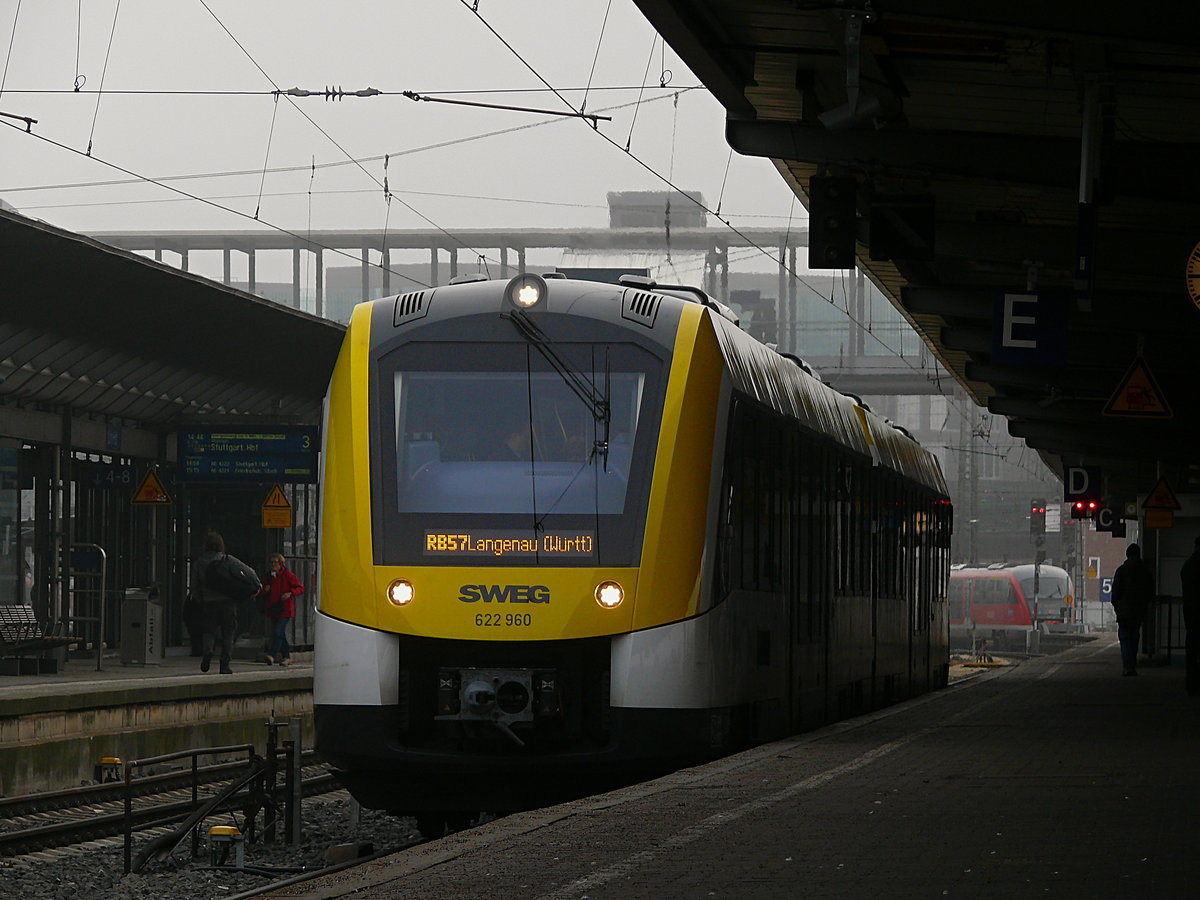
x=505, y=250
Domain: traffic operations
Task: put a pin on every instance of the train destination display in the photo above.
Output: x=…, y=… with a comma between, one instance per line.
x=470, y=542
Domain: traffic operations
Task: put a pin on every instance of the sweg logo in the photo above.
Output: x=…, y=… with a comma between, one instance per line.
x=504, y=593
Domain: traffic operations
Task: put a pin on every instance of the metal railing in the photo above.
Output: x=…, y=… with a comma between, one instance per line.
x=253, y=763
x=1163, y=631
x=260, y=775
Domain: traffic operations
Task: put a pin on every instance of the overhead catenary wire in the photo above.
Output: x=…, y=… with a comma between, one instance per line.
x=78, y=42
x=311, y=178
x=387, y=211
x=536, y=74
x=362, y=160
x=528, y=201
x=337, y=93
x=328, y=136
x=724, y=181
x=266, y=156
x=412, y=95
x=339, y=252
x=103, y=74
x=637, y=108
x=11, y=40
x=206, y=201
x=455, y=195
x=596, y=57
x=787, y=235
x=261, y=172
x=670, y=183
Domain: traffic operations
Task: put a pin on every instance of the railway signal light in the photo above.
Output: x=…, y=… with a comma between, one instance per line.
x=1037, y=517
x=1084, y=509
x=832, y=222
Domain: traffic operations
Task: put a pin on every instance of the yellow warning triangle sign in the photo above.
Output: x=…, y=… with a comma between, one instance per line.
x=1138, y=395
x=1161, y=497
x=151, y=489
x=277, y=499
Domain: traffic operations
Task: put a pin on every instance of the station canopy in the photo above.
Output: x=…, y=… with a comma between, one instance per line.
x=101, y=332
x=999, y=150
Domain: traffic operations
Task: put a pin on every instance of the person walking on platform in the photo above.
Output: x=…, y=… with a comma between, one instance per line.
x=1132, y=591
x=1189, y=577
x=279, y=605
x=220, y=582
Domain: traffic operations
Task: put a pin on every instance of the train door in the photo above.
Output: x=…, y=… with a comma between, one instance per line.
x=809, y=547
x=946, y=595
x=917, y=587
x=889, y=598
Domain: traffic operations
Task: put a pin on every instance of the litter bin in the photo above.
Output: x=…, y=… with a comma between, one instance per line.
x=141, y=627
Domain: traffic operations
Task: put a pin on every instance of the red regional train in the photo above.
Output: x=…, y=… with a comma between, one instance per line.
x=1002, y=604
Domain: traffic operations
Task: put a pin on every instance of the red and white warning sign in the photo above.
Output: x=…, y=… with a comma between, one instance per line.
x=151, y=491
x=1138, y=395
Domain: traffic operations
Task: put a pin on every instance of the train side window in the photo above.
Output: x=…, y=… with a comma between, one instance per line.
x=816, y=540
x=753, y=515
x=993, y=591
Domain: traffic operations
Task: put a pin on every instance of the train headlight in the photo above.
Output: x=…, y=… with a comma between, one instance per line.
x=609, y=594
x=400, y=592
x=526, y=291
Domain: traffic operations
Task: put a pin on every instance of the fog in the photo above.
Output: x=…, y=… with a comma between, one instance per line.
x=180, y=93
x=189, y=132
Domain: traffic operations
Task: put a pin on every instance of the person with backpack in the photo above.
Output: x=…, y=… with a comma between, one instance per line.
x=220, y=582
x=279, y=605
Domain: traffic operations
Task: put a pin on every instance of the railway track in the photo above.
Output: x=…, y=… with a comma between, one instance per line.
x=55, y=819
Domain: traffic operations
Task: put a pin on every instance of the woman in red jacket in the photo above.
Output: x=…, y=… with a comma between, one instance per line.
x=279, y=595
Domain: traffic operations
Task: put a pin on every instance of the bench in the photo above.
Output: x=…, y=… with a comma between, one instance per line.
x=20, y=633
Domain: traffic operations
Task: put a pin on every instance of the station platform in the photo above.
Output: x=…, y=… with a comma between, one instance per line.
x=79, y=676
x=1054, y=776
x=55, y=727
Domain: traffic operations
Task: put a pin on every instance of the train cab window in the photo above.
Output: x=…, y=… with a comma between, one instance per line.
x=498, y=442
x=495, y=439
x=1052, y=597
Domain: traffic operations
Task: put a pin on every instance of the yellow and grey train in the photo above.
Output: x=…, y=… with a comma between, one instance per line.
x=575, y=534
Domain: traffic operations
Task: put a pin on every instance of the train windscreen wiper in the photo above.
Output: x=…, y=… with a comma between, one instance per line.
x=580, y=384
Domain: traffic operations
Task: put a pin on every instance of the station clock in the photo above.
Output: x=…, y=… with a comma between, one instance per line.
x=1192, y=276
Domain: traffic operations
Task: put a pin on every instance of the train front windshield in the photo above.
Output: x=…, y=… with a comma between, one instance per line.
x=1053, y=595
x=505, y=456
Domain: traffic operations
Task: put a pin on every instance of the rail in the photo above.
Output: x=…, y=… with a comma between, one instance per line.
x=194, y=755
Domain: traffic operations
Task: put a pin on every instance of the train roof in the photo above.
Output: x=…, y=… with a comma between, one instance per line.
x=999, y=570
x=787, y=386
x=782, y=382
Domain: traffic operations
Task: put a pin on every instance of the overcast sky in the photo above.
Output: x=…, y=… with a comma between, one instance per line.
x=448, y=166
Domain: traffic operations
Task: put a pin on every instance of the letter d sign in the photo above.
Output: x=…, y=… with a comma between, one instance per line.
x=1081, y=483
